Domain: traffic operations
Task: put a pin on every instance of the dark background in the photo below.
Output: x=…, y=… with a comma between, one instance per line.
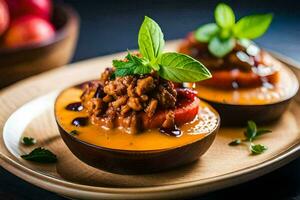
x=111, y=26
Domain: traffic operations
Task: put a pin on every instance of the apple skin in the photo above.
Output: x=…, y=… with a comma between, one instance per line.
x=28, y=30
x=41, y=8
x=4, y=16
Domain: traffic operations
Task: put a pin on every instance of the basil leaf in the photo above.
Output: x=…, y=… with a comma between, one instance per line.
x=28, y=141
x=151, y=39
x=219, y=47
x=251, y=130
x=257, y=148
x=206, y=32
x=253, y=26
x=181, y=68
x=40, y=155
x=224, y=16
x=235, y=142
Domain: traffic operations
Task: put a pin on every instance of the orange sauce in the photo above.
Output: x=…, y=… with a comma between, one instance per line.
x=286, y=86
x=206, y=121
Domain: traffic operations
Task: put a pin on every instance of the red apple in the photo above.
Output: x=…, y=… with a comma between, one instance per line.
x=28, y=30
x=4, y=16
x=41, y=8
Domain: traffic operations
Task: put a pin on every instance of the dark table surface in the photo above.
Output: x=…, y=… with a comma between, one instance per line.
x=111, y=26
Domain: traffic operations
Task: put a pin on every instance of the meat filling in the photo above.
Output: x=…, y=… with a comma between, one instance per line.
x=120, y=101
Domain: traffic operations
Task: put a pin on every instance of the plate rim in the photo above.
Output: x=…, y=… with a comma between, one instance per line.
x=67, y=188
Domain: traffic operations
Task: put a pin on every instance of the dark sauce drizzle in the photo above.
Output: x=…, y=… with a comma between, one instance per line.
x=175, y=131
x=77, y=106
x=99, y=92
x=80, y=121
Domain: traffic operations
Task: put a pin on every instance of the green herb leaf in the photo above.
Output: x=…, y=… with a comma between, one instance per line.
x=123, y=68
x=181, y=68
x=262, y=131
x=40, y=155
x=252, y=26
x=235, y=142
x=28, y=141
x=151, y=39
x=224, y=16
x=74, y=132
x=134, y=65
x=219, y=47
x=257, y=148
x=206, y=32
x=251, y=130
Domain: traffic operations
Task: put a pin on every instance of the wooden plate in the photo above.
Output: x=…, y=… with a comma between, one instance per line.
x=27, y=109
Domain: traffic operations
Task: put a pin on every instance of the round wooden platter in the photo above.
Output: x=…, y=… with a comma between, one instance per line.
x=27, y=109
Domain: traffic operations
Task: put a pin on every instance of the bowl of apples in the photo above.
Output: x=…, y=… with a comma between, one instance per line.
x=35, y=36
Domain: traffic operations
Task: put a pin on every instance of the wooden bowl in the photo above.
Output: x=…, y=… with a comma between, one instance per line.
x=238, y=114
x=137, y=161
x=19, y=63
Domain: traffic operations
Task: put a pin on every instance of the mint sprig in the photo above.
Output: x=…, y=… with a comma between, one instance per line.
x=171, y=66
x=223, y=35
x=251, y=133
x=133, y=65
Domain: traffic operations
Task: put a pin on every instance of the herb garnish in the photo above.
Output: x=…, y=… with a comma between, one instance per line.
x=40, y=155
x=28, y=141
x=251, y=133
x=74, y=132
x=223, y=35
x=172, y=66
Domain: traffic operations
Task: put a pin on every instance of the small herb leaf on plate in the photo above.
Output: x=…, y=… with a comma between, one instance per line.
x=28, y=141
x=262, y=131
x=251, y=133
x=151, y=39
x=40, y=155
x=178, y=67
x=224, y=16
x=220, y=47
x=257, y=148
x=251, y=130
x=206, y=32
x=235, y=142
x=253, y=26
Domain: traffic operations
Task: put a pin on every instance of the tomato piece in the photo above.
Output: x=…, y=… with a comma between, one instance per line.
x=226, y=79
x=186, y=110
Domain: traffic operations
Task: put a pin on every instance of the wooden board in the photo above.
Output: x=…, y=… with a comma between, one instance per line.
x=220, y=167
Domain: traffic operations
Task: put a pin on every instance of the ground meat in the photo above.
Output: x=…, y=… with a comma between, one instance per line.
x=150, y=110
x=169, y=122
x=122, y=100
x=105, y=76
x=134, y=104
x=200, y=51
x=119, y=102
x=144, y=85
x=165, y=98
